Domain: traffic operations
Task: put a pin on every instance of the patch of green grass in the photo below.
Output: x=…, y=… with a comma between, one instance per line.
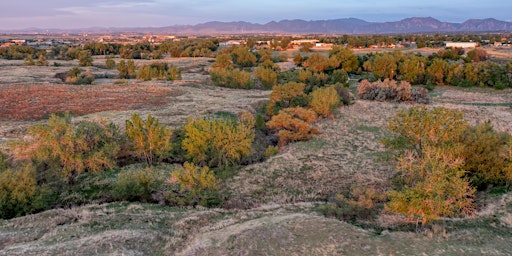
x=370, y=129
x=312, y=144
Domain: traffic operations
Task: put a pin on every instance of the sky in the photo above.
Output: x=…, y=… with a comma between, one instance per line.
x=20, y=14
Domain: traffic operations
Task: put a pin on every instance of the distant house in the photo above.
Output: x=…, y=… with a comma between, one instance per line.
x=305, y=41
x=232, y=42
x=461, y=45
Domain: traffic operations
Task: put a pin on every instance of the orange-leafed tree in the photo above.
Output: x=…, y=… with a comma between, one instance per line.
x=293, y=124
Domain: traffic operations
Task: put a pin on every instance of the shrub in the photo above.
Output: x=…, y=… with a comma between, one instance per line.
x=388, y=90
x=357, y=204
x=85, y=58
x=219, y=141
x=110, y=63
x=287, y=95
x=434, y=186
x=68, y=150
x=126, y=69
x=430, y=164
x=138, y=184
x=19, y=193
x=198, y=185
x=159, y=70
x=485, y=153
x=271, y=151
x=267, y=77
x=77, y=76
x=150, y=140
x=231, y=78
x=293, y=124
x=324, y=100
x=346, y=97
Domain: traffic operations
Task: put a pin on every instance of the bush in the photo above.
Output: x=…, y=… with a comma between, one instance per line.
x=271, y=151
x=293, y=124
x=126, y=69
x=388, y=90
x=231, y=78
x=68, y=150
x=19, y=193
x=430, y=164
x=197, y=185
x=267, y=77
x=159, y=70
x=77, y=76
x=110, y=63
x=357, y=204
x=219, y=141
x=324, y=100
x=485, y=152
x=346, y=97
x=150, y=140
x=287, y=95
x=138, y=184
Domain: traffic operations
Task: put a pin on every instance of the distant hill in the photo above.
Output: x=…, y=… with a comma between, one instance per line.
x=336, y=26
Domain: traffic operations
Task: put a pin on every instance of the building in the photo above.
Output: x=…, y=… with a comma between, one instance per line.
x=461, y=45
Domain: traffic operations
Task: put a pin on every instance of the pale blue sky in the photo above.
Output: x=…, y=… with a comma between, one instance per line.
x=17, y=14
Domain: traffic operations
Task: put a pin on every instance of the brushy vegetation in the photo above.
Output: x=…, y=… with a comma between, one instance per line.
x=78, y=76
x=159, y=70
x=441, y=161
x=389, y=90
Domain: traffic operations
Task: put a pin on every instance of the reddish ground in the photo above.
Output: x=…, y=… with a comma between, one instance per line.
x=35, y=101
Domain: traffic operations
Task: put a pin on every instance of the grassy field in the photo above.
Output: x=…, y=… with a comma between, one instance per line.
x=273, y=206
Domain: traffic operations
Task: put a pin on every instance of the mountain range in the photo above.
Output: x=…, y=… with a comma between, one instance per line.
x=336, y=26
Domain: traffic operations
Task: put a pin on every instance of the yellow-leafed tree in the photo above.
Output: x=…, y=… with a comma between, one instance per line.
x=219, y=141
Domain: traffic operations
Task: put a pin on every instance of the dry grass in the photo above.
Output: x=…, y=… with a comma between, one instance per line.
x=347, y=152
x=35, y=101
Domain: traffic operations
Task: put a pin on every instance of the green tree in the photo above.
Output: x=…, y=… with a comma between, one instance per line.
x=223, y=61
x=110, y=63
x=436, y=71
x=19, y=193
x=486, y=155
x=418, y=127
x=383, y=65
x=150, y=140
x=344, y=58
x=287, y=95
x=85, y=58
x=243, y=57
x=413, y=69
x=126, y=69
